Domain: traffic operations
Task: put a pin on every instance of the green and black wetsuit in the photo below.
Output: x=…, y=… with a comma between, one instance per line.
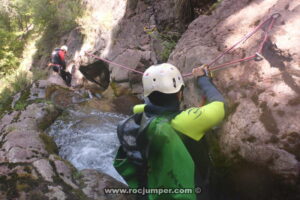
x=166, y=162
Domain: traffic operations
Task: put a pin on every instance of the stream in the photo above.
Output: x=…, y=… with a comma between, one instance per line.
x=88, y=140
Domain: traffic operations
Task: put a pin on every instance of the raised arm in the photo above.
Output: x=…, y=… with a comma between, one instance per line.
x=195, y=121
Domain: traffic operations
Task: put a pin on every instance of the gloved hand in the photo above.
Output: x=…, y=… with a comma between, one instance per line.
x=201, y=71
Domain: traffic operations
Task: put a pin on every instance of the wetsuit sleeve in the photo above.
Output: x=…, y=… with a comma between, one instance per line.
x=210, y=91
x=195, y=121
x=139, y=108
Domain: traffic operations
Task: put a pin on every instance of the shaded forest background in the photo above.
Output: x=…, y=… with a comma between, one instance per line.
x=29, y=25
x=20, y=19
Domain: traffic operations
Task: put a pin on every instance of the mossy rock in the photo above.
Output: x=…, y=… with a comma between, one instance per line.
x=119, y=90
x=52, y=88
x=52, y=113
x=63, y=97
x=103, y=105
x=22, y=102
x=13, y=185
x=50, y=145
x=124, y=104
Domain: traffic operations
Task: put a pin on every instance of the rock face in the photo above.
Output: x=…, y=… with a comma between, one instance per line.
x=95, y=183
x=146, y=35
x=25, y=169
x=262, y=126
x=134, y=33
x=29, y=165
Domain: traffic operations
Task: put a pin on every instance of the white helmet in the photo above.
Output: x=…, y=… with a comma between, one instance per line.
x=164, y=78
x=64, y=47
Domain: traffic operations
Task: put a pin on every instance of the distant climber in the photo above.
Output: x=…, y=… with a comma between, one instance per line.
x=58, y=64
x=157, y=142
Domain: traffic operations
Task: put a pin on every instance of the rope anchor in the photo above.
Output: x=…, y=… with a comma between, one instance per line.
x=258, y=57
x=276, y=15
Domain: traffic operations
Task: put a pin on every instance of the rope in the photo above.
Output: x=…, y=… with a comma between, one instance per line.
x=113, y=63
x=246, y=37
x=215, y=68
x=267, y=34
x=256, y=57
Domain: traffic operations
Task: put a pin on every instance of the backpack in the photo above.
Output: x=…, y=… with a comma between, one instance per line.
x=55, y=56
x=154, y=156
x=131, y=134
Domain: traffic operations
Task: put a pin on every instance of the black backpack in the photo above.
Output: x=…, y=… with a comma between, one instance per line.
x=55, y=56
x=132, y=137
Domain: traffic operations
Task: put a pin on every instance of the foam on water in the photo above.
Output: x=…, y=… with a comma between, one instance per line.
x=88, y=141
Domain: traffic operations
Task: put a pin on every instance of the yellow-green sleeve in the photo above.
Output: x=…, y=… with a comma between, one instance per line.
x=139, y=108
x=193, y=122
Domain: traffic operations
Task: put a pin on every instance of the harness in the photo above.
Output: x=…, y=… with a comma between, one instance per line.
x=52, y=64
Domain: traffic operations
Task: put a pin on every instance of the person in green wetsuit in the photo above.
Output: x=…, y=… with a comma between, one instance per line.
x=155, y=148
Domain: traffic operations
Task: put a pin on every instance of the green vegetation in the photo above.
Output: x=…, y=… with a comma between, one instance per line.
x=20, y=81
x=20, y=106
x=169, y=44
x=77, y=175
x=20, y=18
x=168, y=40
x=49, y=143
x=22, y=24
x=10, y=48
x=14, y=84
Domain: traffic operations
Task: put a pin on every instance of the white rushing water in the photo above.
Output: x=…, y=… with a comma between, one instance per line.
x=88, y=141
